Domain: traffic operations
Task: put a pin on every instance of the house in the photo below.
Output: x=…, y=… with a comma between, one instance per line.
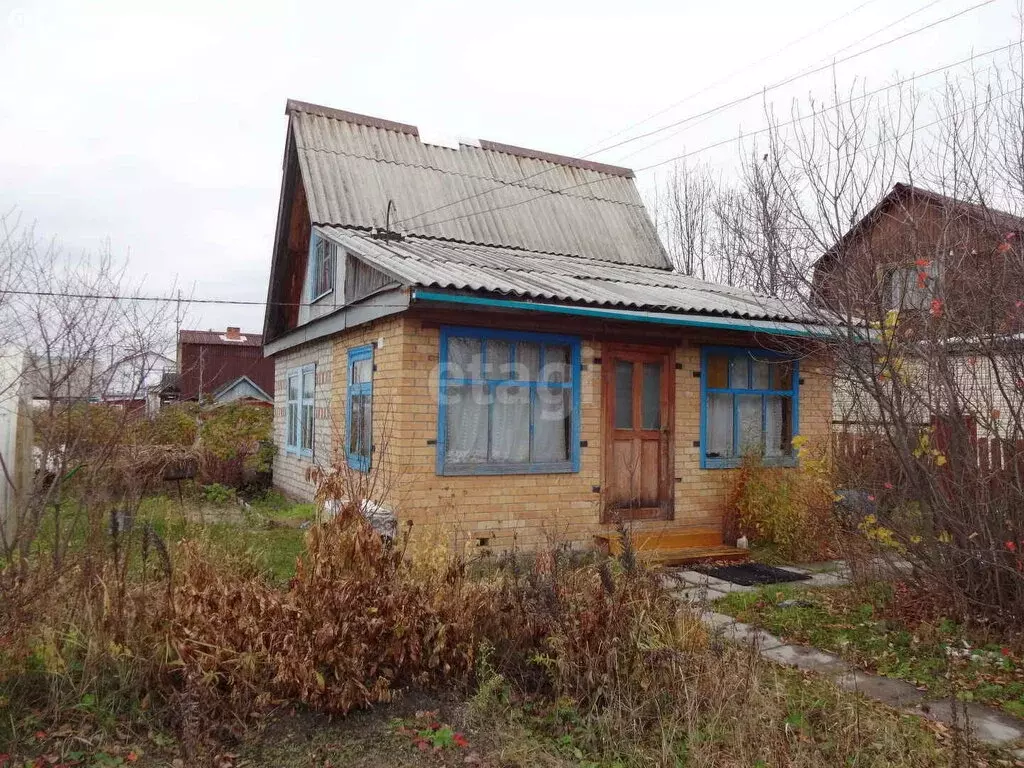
x=495, y=336
x=915, y=247
x=945, y=270
x=221, y=367
x=130, y=381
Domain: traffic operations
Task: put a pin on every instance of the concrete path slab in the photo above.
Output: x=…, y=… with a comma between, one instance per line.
x=698, y=594
x=988, y=725
x=807, y=658
x=898, y=694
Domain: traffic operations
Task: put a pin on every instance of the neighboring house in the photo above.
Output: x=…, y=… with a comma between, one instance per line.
x=950, y=269
x=917, y=246
x=62, y=379
x=523, y=361
x=16, y=466
x=129, y=382
x=215, y=366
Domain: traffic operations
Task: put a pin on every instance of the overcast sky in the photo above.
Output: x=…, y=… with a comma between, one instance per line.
x=162, y=129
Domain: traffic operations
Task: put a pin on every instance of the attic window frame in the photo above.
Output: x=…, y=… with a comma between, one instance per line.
x=321, y=248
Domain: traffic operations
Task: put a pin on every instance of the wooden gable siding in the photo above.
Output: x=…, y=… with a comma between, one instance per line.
x=980, y=283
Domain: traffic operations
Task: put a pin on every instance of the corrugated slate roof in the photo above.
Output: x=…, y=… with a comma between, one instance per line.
x=352, y=165
x=428, y=263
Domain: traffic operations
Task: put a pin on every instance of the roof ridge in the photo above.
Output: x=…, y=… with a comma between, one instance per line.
x=294, y=105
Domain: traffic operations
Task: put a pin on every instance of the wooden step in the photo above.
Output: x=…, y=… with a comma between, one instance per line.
x=674, y=547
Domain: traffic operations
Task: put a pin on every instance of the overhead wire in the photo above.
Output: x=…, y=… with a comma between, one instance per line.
x=719, y=108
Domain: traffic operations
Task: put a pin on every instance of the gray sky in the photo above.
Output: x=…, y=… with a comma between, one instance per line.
x=162, y=130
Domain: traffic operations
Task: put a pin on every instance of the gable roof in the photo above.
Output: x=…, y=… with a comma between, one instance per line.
x=246, y=388
x=483, y=192
x=902, y=194
x=423, y=262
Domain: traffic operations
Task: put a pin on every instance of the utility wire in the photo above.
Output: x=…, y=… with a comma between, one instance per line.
x=689, y=154
x=721, y=107
x=170, y=299
x=731, y=75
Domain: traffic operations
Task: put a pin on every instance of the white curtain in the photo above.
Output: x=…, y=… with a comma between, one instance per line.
x=719, y=425
x=751, y=438
x=551, y=424
x=510, y=432
x=773, y=426
x=466, y=438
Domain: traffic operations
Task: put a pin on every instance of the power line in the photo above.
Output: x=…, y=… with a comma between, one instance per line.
x=719, y=108
x=730, y=140
x=732, y=74
x=166, y=299
x=794, y=78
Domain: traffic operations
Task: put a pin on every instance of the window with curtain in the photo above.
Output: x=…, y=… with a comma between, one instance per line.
x=322, y=269
x=299, y=411
x=749, y=401
x=509, y=402
x=359, y=413
x=910, y=287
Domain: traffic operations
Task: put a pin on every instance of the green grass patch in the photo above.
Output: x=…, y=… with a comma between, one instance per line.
x=863, y=625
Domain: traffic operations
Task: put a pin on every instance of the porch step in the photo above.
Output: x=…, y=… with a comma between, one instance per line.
x=674, y=547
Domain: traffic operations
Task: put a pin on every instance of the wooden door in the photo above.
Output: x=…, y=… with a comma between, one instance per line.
x=637, y=402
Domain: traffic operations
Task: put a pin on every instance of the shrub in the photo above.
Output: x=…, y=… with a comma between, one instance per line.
x=788, y=508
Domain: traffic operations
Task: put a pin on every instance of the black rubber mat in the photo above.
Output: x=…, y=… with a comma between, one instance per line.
x=751, y=574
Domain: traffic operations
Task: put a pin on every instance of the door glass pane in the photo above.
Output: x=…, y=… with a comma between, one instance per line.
x=751, y=440
x=623, y=394
x=718, y=371
x=463, y=358
x=778, y=417
x=719, y=426
x=650, y=411
x=467, y=427
x=527, y=361
x=556, y=364
x=783, y=375
x=510, y=429
x=552, y=424
x=738, y=372
x=361, y=370
x=499, y=359
x=762, y=373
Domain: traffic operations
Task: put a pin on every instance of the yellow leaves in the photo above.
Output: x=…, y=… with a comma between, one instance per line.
x=945, y=538
x=915, y=539
x=873, y=531
x=940, y=460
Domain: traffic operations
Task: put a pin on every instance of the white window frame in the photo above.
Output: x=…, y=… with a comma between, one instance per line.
x=323, y=267
x=294, y=408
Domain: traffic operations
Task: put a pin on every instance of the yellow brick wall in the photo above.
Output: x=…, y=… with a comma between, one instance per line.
x=529, y=508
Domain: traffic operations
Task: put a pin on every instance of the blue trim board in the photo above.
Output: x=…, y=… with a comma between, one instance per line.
x=771, y=327
x=710, y=462
x=444, y=380
x=355, y=460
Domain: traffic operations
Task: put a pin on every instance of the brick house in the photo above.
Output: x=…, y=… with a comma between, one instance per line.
x=223, y=366
x=499, y=332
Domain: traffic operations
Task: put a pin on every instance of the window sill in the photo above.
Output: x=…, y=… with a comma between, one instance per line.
x=358, y=463
x=552, y=468
x=325, y=294
x=707, y=462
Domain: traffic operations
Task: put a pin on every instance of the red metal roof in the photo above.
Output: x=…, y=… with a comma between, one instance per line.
x=219, y=337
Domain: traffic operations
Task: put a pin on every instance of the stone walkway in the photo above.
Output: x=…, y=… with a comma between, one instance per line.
x=987, y=724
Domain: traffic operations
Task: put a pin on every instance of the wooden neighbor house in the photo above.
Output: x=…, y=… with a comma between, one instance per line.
x=499, y=333
x=949, y=269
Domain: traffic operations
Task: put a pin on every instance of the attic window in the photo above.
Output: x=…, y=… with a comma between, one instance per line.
x=324, y=257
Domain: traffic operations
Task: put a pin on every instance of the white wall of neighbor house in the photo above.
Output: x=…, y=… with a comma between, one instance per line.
x=291, y=470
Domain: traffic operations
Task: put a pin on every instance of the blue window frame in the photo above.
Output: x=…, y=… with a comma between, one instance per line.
x=749, y=405
x=300, y=419
x=359, y=408
x=323, y=255
x=509, y=403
